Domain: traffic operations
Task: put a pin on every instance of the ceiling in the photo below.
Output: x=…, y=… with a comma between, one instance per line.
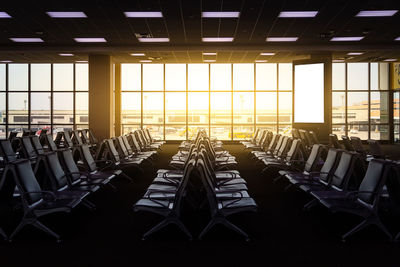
x=182, y=23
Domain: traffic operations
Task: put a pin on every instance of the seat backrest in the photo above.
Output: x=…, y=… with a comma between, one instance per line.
x=375, y=149
x=358, y=146
x=303, y=137
x=6, y=151
x=344, y=170
x=147, y=136
x=208, y=186
x=347, y=144
x=393, y=185
x=88, y=158
x=27, y=148
x=121, y=147
x=85, y=136
x=55, y=171
x=334, y=141
x=112, y=151
x=67, y=139
x=309, y=139
x=69, y=164
x=26, y=133
x=295, y=133
x=127, y=145
x=274, y=141
x=179, y=194
x=373, y=181
x=26, y=182
x=313, y=158
x=58, y=139
x=255, y=135
x=50, y=142
x=279, y=143
x=293, y=151
x=134, y=142
x=314, y=137
x=92, y=137
x=330, y=165
x=76, y=137
x=139, y=140
x=37, y=145
x=12, y=135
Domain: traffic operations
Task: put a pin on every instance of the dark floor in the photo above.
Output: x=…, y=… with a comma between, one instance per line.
x=282, y=234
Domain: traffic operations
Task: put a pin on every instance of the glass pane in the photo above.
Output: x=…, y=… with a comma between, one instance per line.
x=40, y=77
x=266, y=104
x=17, y=128
x=153, y=108
x=221, y=77
x=131, y=75
x=61, y=128
x=198, y=77
x=379, y=107
x=285, y=129
x=193, y=129
x=175, y=108
x=243, y=77
x=129, y=128
x=18, y=77
x=359, y=130
x=220, y=108
x=339, y=76
x=285, y=107
x=2, y=77
x=339, y=130
x=266, y=76
x=285, y=76
x=40, y=108
x=130, y=107
x=221, y=132
x=175, y=77
x=3, y=108
x=384, y=76
x=338, y=107
x=17, y=107
x=63, y=77
x=81, y=77
x=63, y=108
x=243, y=132
x=357, y=76
x=81, y=126
x=198, y=108
x=396, y=107
x=374, y=82
x=3, y=134
x=271, y=128
x=243, y=107
x=396, y=133
x=81, y=108
x=156, y=131
x=153, y=77
x=380, y=132
x=357, y=110
x=175, y=132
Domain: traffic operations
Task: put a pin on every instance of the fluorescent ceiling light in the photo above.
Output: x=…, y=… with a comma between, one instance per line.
x=298, y=14
x=347, y=39
x=209, y=53
x=217, y=39
x=282, y=39
x=138, y=54
x=81, y=61
x=90, y=40
x=66, y=14
x=4, y=15
x=390, y=59
x=376, y=13
x=145, y=61
x=6, y=61
x=338, y=60
x=27, y=40
x=153, y=40
x=397, y=39
x=355, y=53
x=209, y=60
x=261, y=61
x=66, y=55
x=267, y=54
x=143, y=14
x=222, y=14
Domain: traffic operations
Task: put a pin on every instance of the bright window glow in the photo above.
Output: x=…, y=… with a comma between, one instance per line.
x=376, y=13
x=175, y=77
x=225, y=14
x=266, y=76
x=143, y=14
x=309, y=93
x=198, y=77
x=282, y=39
x=131, y=77
x=298, y=14
x=217, y=39
x=243, y=77
x=221, y=77
x=40, y=77
x=56, y=14
x=153, y=77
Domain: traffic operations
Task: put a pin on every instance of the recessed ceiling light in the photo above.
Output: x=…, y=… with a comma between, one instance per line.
x=6, y=61
x=224, y=14
x=397, y=39
x=4, y=15
x=138, y=54
x=261, y=61
x=66, y=55
x=298, y=14
x=355, y=53
x=145, y=61
x=347, y=39
x=27, y=40
x=81, y=61
x=143, y=14
x=376, y=13
x=282, y=39
x=153, y=40
x=390, y=59
x=267, y=54
x=66, y=14
x=209, y=53
x=338, y=60
x=90, y=40
x=217, y=39
x=209, y=60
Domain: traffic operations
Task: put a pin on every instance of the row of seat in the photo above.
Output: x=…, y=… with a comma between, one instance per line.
x=48, y=179
x=222, y=188
x=338, y=179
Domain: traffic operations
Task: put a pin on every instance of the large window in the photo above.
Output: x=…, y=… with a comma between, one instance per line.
x=228, y=100
x=43, y=96
x=360, y=100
